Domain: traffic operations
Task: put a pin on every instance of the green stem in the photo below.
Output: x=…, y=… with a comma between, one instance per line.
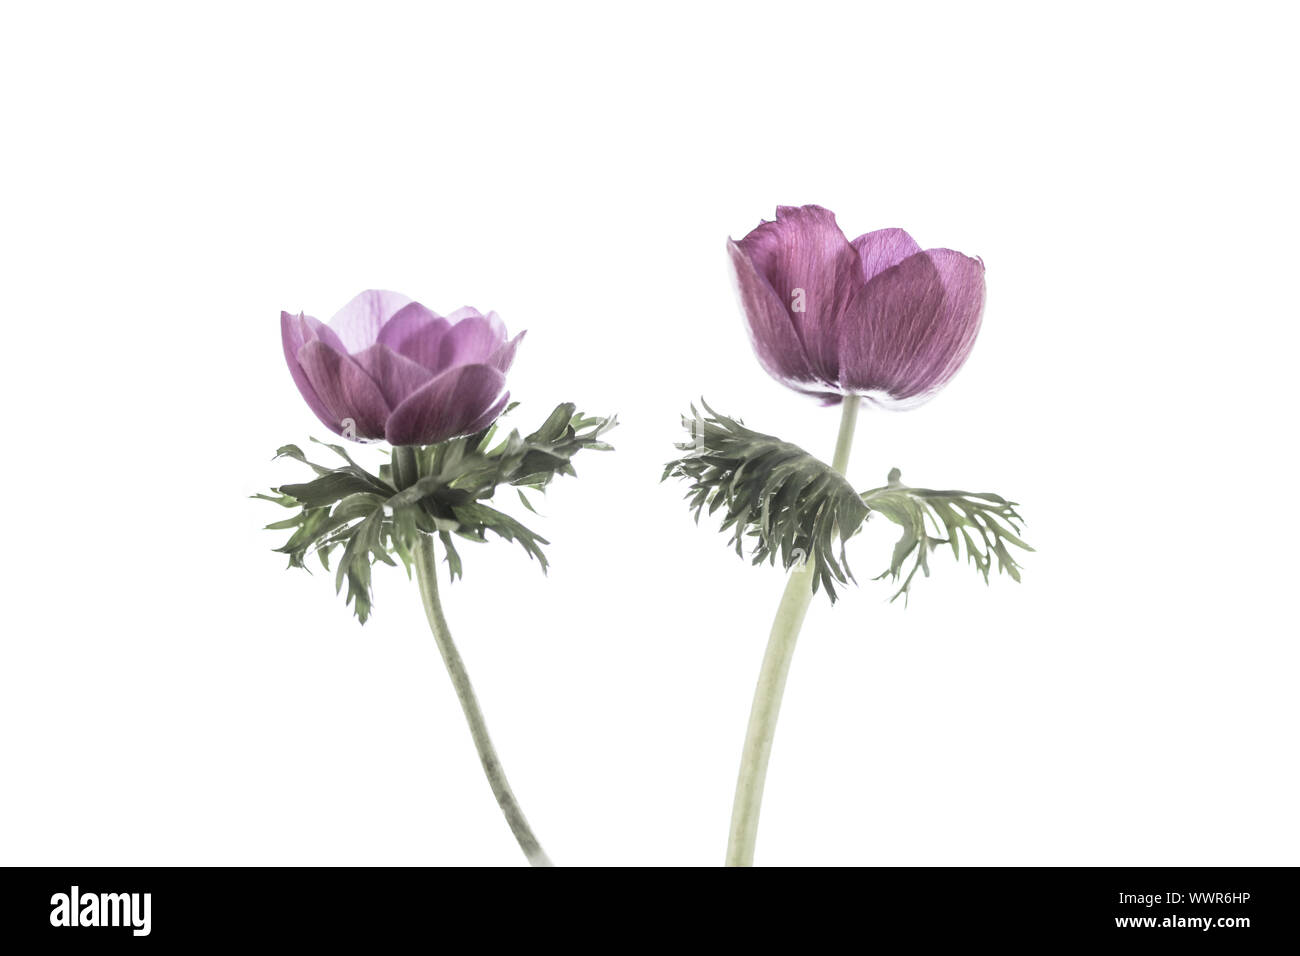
x=771, y=680
x=406, y=466
x=426, y=571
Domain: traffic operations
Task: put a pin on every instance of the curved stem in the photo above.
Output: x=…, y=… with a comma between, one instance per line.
x=426, y=571
x=771, y=680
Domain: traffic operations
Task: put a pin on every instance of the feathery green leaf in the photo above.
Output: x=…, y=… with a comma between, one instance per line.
x=791, y=504
x=372, y=520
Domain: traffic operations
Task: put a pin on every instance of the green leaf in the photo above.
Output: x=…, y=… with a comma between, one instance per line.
x=453, y=556
x=364, y=515
x=774, y=496
x=284, y=501
x=360, y=505
x=327, y=489
x=293, y=451
x=932, y=518
x=479, y=516
x=554, y=425
x=785, y=504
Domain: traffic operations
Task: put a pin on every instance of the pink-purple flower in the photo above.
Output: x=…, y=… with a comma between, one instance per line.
x=877, y=317
x=386, y=367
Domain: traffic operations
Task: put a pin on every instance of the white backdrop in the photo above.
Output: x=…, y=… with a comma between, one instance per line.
x=174, y=178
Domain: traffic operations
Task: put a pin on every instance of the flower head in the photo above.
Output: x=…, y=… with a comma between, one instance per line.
x=877, y=317
x=387, y=367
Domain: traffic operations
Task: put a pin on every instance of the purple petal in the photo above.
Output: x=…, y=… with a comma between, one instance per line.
x=882, y=249
x=294, y=334
x=504, y=356
x=913, y=327
x=448, y=406
x=958, y=322
x=771, y=328
x=358, y=322
x=396, y=375
x=417, y=333
x=314, y=329
x=805, y=250
x=472, y=340
x=344, y=390
x=488, y=417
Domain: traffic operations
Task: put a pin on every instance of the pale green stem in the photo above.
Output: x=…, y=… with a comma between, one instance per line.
x=406, y=466
x=771, y=680
x=426, y=571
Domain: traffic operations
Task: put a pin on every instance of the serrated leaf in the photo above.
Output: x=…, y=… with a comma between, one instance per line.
x=774, y=496
x=454, y=568
x=952, y=515
x=785, y=504
x=478, y=515
x=327, y=489
x=293, y=451
x=365, y=516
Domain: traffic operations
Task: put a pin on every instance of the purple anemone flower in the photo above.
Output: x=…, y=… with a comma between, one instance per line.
x=877, y=317
x=387, y=367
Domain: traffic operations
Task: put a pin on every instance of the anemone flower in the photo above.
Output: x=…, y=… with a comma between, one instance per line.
x=877, y=317
x=388, y=368
x=432, y=386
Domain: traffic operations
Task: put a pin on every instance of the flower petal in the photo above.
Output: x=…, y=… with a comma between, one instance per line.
x=913, y=327
x=358, y=322
x=771, y=328
x=295, y=332
x=344, y=390
x=448, y=406
x=417, y=333
x=882, y=249
x=504, y=356
x=959, y=320
x=396, y=375
x=471, y=340
x=805, y=250
x=488, y=417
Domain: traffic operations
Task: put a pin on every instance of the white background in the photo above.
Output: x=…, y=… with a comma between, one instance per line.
x=173, y=178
